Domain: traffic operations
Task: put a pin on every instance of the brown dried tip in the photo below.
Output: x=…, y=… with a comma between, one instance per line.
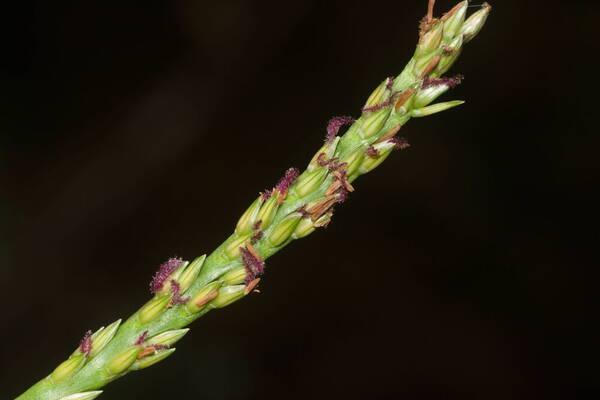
x=250, y=286
x=390, y=134
x=432, y=64
x=325, y=221
x=335, y=186
x=403, y=97
x=451, y=12
x=209, y=297
x=146, y=351
x=341, y=177
x=428, y=21
x=322, y=207
x=253, y=251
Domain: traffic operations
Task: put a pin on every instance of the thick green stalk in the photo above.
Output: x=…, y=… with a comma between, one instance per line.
x=292, y=210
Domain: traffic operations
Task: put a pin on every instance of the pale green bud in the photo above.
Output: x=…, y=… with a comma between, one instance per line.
x=284, y=230
x=372, y=123
x=123, y=361
x=83, y=395
x=268, y=210
x=190, y=274
x=475, y=22
x=449, y=56
x=151, y=359
x=328, y=150
x=102, y=337
x=453, y=23
x=378, y=96
x=168, y=338
x=234, y=277
x=305, y=227
x=248, y=219
x=153, y=308
x=430, y=41
x=426, y=96
x=310, y=181
x=67, y=368
x=435, y=108
x=353, y=160
x=232, y=250
x=228, y=295
x=203, y=297
x=383, y=151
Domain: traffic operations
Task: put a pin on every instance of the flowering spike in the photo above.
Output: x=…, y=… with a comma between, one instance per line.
x=231, y=270
x=334, y=125
x=163, y=273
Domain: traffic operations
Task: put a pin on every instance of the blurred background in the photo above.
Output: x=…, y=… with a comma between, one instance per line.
x=460, y=269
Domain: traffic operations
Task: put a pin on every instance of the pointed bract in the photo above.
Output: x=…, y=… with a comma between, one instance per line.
x=168, y=338
x=436, y=108
x=103, y=337
x=83, y=395
x=189, y=275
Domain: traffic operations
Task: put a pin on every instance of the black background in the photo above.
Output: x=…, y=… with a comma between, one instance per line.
x=459, y=269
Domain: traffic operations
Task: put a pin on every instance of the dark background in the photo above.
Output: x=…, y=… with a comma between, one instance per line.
x=460, y=269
